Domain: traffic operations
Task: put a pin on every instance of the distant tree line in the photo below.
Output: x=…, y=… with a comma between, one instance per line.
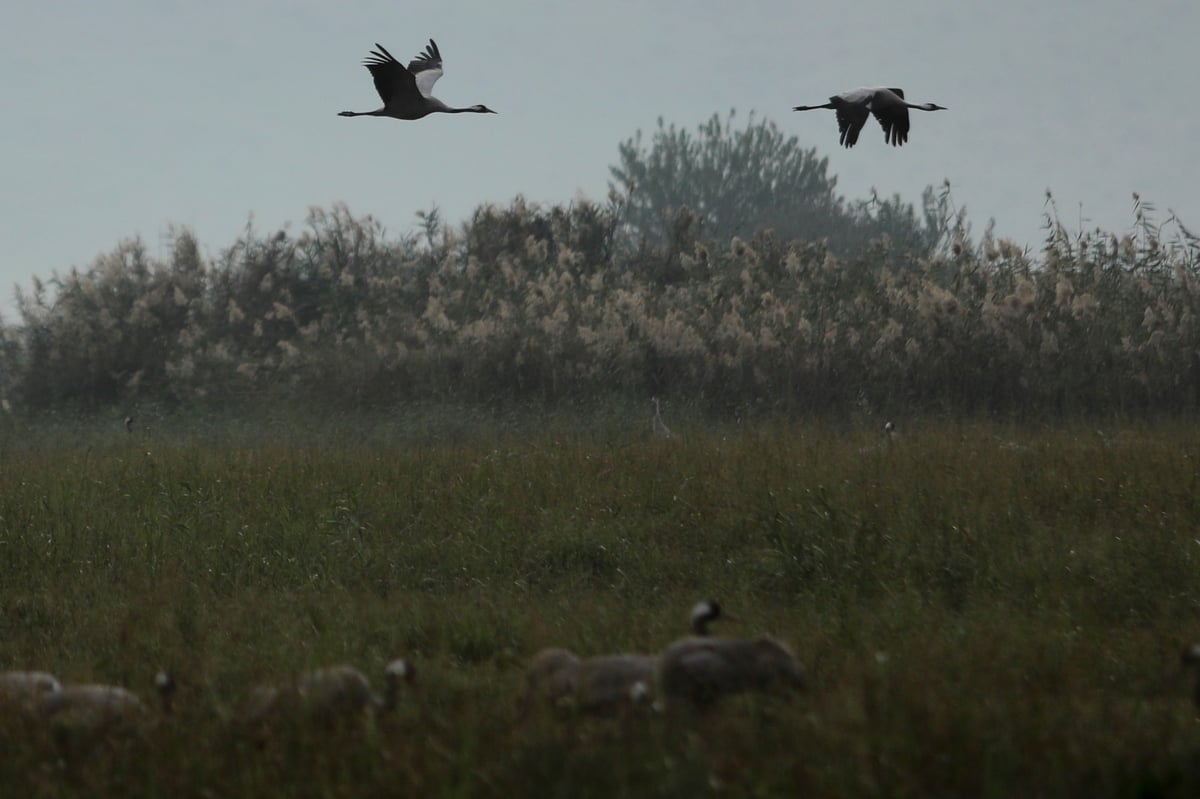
x=633, y=296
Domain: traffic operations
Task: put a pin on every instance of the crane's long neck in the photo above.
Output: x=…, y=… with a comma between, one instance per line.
x=391, y=695
x=702, y=615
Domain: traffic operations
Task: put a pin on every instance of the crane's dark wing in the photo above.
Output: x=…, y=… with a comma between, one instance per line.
x=898, y=92
x=427, y=68
x=894, y=121
x=392, y=80
x=850, y=118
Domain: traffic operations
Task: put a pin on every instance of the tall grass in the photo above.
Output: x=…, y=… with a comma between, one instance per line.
x=982, y=609
x=551, y=304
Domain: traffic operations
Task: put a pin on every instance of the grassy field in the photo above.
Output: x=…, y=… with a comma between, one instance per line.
x=982, y=610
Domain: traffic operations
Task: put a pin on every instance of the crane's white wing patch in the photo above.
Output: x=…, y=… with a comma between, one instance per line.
x=426, y=68
x=426, y=78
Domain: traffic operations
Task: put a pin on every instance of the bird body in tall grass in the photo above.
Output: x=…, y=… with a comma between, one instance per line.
x=601, y=684
x=329, y=695
x=701, y=668
x=610, y=683
x=17, y=684
x=92, y=705
x=550, y=679
x=96, y=709
x=23, y=691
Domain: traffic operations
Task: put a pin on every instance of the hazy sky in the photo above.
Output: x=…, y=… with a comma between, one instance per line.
x=124, y=116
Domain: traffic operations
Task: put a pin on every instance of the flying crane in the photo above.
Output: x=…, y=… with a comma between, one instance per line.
x=406, y=91
x=888, y=106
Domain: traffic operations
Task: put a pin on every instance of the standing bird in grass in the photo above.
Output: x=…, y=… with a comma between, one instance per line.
x=550, y=679
x=406, y=92
x=24, y=690
x=94, y=709
x=659, y=426
x=703, y=668
x=602, y=684
x=888, y=106
x=610, y=683
x=329, y=696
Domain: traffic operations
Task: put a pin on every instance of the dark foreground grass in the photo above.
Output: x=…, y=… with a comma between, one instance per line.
x=982, y=611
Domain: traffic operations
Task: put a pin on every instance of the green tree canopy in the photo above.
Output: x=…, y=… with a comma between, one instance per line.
x=740, y=180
